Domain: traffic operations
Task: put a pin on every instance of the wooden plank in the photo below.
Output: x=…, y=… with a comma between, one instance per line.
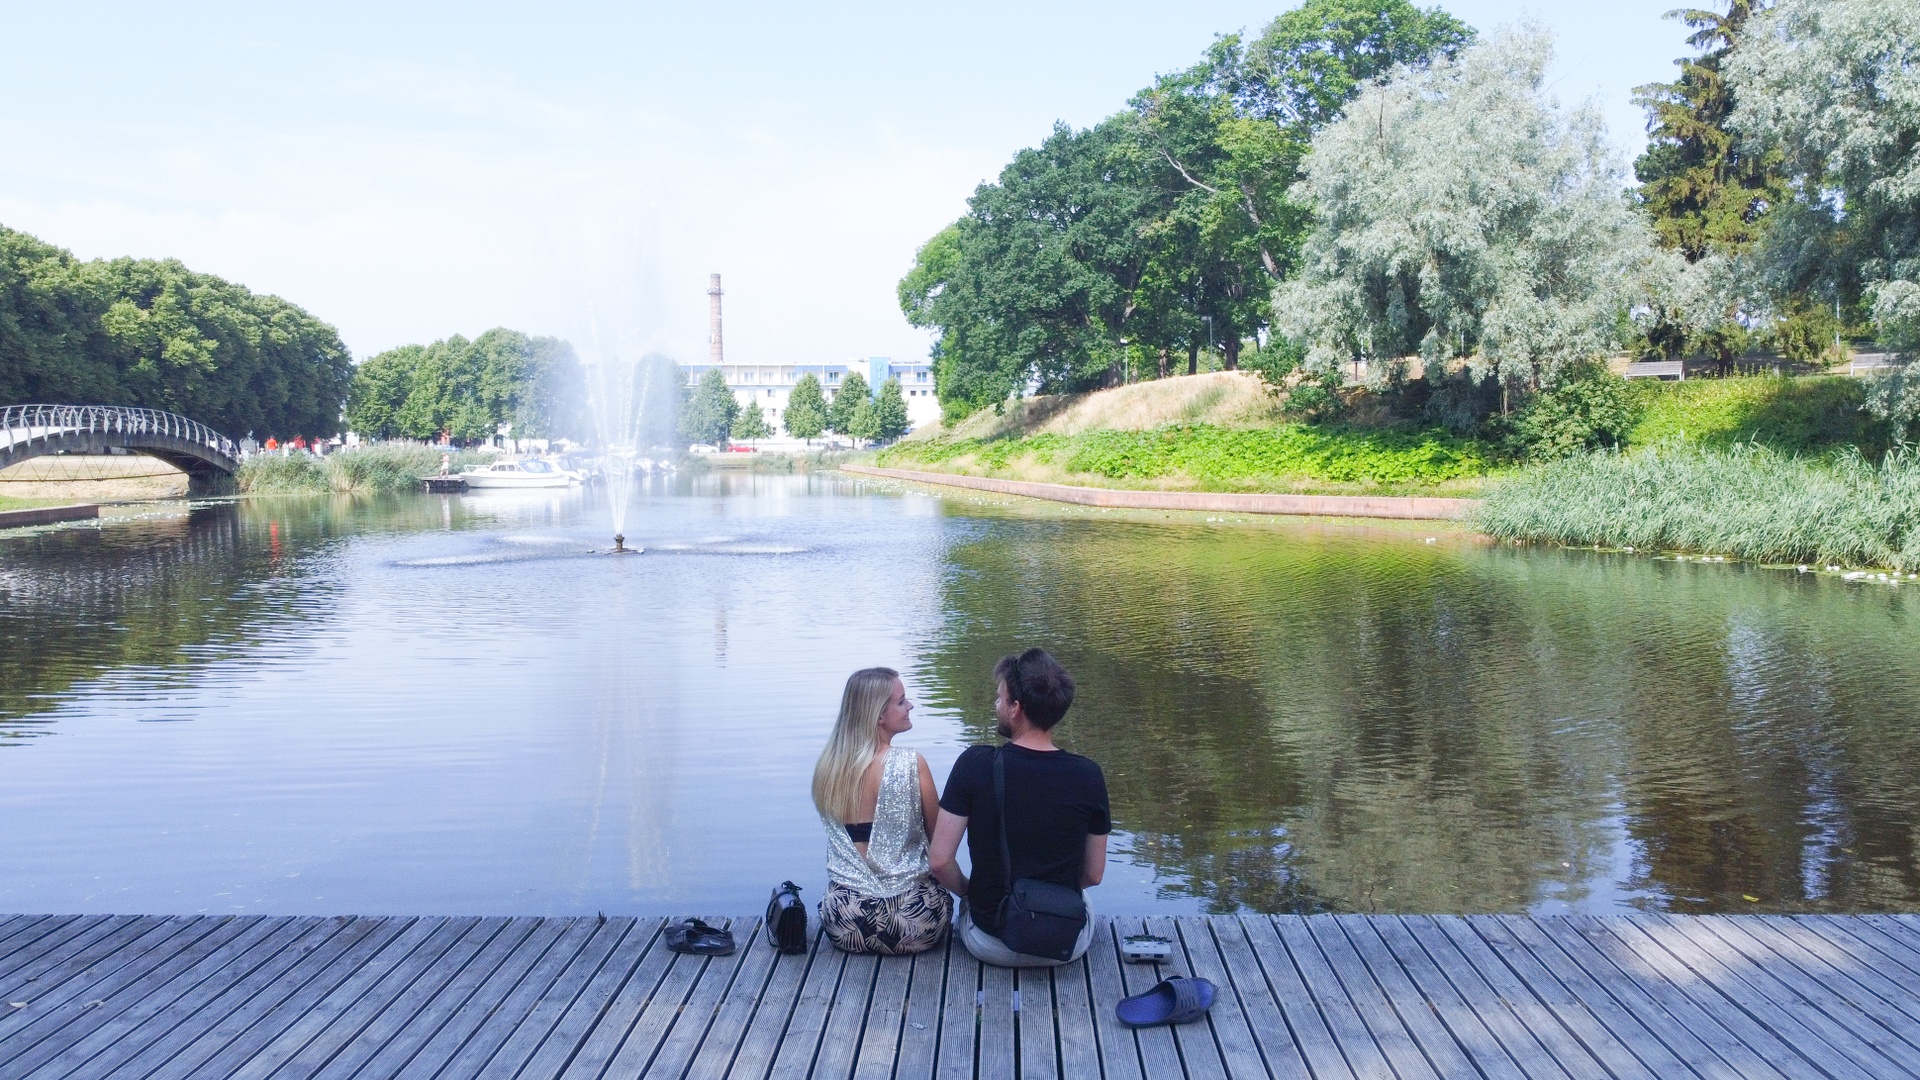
x=1544, y=1026
x=1393, y=1033
x=576, y=1023
x=1325, y=990
x=486, y=999
x=1699, y=1008
x=1884, y=996
x=1813, y=1036
x=753, y=1032
x=709, y=1053
x=303, y=1049
x=1073, y=1017
x=920, y=1035
x=1429, y=1005
x=108, y=941
x=1900, y=929
x=46, y=933
x=1306, y=1018
x=1789, y=990
x=1119, y=1050
x=1199, y=1048
x=886, y=1017
x=433, y=1001
x=959, y=1016
x=1272, y=1028
x=150, y=1031
x=95, y=996
x=255, y=1024
x=1866, y=946
x=1033, y=1021
x=673, y=1005
x=996, y=1053
x=501, y=1047
x=1159, y=1052
x=1608, y=1030
x=1239, y=1052
x=846, y=1019
x=139, y=990
x=610, y=1027
x=1629, y=1001
x=799, y=1040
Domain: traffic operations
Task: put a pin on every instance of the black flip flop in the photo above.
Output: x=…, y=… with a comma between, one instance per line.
x=697, y=938
x=1176, y=1000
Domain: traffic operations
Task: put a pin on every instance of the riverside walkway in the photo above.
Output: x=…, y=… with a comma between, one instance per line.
x=258, y=997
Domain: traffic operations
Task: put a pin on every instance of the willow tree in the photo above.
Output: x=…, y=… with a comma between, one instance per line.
x=1460, y=216
x=1834, y=87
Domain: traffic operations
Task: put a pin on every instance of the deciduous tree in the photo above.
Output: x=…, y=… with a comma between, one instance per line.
x=888, y=417
x=806, y=415
x=852, y=407
x=710, y=410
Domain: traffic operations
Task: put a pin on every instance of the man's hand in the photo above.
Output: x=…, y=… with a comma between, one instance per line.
x=943, y=850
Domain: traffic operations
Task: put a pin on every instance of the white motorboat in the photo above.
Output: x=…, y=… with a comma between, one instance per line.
x=525, y=473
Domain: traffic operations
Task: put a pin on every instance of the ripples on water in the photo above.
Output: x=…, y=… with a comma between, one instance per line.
x=455, y=704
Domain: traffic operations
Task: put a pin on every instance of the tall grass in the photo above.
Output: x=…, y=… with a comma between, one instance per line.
x=1746, y=501
x=364, y=470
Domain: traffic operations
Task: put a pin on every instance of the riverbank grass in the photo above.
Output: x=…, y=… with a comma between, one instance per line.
x=1750, y=502
x=367, y=470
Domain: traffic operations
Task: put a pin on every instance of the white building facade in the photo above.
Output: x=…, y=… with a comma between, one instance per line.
x=770, y=385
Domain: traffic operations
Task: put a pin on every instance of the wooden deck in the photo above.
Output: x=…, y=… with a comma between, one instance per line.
x=260, y=997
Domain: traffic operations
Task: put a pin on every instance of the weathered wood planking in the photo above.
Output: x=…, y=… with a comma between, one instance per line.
x=593, y=998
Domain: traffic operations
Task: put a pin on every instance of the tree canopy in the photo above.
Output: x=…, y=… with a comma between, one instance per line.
x=888, y=418
x=154, y=334
x=1164, y=228
x=806, y=415
x=1457, y=215
x=750, y=423
x=851, y=410
x=467, y=389
x=710, y=410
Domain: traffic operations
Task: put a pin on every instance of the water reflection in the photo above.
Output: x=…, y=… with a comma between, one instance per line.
x=446, y=704
x=1299, y=719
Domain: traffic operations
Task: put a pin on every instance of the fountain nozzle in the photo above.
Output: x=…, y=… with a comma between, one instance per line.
x=619, y=544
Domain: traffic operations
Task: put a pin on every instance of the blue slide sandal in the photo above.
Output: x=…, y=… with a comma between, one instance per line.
x=1176, y=1000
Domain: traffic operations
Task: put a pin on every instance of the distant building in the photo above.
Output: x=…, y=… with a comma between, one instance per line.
x=769, y=385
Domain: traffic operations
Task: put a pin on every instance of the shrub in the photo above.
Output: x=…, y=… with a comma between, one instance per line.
x=1593, y=412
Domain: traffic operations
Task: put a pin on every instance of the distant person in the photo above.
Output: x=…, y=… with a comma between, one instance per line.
x=446, y=463
x=877, y=803
x=1054, y=842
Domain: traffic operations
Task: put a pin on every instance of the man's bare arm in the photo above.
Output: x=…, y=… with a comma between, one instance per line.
x=1095, y=866
x=944, y=850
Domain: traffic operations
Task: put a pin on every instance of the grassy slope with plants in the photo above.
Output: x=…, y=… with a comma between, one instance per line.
x=365, y=470
x=1216, y=432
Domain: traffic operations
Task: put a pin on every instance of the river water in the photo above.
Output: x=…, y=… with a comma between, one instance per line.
x=433, y=704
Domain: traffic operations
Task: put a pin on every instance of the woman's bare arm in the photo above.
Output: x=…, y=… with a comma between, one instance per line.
x=929, y=796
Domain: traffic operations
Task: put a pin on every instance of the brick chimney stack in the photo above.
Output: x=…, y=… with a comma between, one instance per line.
x=714, y=352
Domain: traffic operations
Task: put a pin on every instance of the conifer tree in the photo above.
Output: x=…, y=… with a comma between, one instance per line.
x=1703, y=191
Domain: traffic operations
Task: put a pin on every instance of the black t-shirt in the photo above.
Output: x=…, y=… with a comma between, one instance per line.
x=1054, y=801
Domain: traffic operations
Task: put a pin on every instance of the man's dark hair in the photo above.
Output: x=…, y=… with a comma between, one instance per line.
x=1038, y=682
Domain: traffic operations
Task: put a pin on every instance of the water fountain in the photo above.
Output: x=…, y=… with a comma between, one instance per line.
x=618, y=395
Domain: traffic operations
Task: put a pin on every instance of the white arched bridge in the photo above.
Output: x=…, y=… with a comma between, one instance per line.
x=28, y=431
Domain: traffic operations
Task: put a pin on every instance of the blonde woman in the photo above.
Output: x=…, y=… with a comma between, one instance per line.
x=878, y=805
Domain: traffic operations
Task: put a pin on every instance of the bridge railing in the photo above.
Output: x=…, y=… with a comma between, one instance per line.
x=27, y=423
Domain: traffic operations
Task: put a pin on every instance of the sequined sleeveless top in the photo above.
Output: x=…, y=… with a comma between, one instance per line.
x=897, y=851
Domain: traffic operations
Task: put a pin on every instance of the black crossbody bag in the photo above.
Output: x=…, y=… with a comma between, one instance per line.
x=1037, y=918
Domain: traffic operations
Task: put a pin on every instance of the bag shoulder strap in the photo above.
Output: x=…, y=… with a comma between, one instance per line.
x=1000, y=802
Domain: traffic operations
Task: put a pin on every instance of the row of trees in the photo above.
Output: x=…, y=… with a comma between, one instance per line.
x=1161, y=231
x=713, y=415
x=1374, y=183
x=466, y=390
x=155, y=334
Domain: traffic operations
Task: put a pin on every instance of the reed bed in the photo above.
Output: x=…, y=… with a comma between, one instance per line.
x=365, y=470
x=1747, y=501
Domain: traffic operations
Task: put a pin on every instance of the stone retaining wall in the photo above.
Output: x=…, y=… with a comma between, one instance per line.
x=47, y=515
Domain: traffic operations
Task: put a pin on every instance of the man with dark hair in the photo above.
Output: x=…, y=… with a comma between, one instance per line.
x=1057, y=817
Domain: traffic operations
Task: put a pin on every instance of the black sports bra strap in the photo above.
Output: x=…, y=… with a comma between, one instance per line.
x=861, y=833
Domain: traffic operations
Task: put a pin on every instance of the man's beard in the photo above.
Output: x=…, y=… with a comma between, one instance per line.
x=1001, y=729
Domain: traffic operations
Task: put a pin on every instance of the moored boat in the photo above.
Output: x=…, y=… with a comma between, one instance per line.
x=524, y=473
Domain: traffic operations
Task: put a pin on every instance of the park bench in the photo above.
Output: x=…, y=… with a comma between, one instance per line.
x=1657, y=369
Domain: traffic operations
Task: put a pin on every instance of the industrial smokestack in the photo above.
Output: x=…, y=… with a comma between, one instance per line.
x=715, y=353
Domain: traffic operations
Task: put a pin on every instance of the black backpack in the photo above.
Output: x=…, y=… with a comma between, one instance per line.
x=787, y=919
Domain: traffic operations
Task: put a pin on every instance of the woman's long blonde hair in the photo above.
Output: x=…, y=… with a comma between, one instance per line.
x=837, y=775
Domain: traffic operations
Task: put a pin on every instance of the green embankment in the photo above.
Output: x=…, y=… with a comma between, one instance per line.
x=366, y=470
x=1212, y=458
x=1797, y=416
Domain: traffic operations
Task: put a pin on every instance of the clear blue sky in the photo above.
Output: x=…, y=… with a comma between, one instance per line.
x=407, y=171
